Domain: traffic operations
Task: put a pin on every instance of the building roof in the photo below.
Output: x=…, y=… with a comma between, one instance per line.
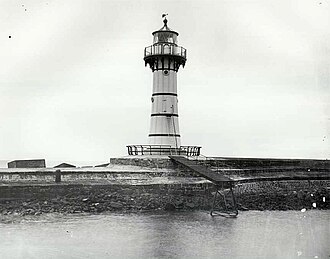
x=103, y=165
x=64, y=165
x=165, y=28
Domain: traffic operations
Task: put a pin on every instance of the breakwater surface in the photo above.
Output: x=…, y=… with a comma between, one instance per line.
x=253, y=234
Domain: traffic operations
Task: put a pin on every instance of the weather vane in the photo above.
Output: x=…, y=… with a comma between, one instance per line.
x=164, y=16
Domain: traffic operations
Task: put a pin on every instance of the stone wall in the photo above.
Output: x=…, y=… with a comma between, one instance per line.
x=75, y=198
x=226, y=162
x=146, y=176
x=245, y=163
x=145, y=161
x=284, y=195
x=98, y=198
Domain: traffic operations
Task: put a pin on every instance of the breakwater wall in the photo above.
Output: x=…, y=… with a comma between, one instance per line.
x=76, y=198
x=149, y=162
x=148, y=184
x=267, y=163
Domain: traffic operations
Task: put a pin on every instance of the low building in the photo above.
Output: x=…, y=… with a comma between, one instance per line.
x=28, y=163
x=65, y=165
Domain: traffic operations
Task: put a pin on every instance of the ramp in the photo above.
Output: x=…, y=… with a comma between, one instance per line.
x=203, y=171
x=222, y=207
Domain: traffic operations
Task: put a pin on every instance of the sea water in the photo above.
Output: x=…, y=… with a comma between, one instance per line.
x=253, y=234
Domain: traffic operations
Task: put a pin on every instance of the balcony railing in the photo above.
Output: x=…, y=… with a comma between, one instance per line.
x=140, y=150
x=165, y=49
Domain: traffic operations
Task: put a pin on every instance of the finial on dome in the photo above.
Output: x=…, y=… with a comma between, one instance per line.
x=165, y=20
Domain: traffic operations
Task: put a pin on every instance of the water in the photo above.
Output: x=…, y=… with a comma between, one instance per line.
x=254, y=234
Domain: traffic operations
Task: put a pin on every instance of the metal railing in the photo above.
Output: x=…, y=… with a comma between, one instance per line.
x=140, y=150
x=165, y=49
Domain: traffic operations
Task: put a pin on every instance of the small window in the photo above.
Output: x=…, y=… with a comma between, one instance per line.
x=167, y=49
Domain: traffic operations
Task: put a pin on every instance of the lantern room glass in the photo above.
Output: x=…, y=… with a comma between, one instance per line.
x=165, y=37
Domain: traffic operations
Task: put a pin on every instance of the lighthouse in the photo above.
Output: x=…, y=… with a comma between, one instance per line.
x=164, y=58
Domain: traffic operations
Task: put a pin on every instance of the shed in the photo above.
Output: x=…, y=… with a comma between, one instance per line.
x=28, y=163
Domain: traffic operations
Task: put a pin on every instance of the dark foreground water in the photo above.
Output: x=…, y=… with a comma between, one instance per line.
x=254, y=234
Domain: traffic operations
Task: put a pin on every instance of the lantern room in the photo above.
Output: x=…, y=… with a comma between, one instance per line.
x=165, y=35
x=165, y=46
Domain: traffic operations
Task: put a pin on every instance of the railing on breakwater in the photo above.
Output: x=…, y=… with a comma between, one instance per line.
x=142, y=150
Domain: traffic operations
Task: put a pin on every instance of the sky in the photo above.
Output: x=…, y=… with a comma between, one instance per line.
x=73, y=85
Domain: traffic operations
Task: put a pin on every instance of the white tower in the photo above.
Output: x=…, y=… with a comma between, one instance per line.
x=164, y=58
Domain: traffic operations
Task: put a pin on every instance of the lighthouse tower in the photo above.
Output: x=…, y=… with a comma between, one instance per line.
x=164, y=57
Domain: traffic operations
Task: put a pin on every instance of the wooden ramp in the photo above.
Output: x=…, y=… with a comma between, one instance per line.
x=202, y=171
x=224, y=202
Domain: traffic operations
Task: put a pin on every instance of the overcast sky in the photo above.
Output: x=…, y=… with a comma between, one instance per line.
x=73, y=85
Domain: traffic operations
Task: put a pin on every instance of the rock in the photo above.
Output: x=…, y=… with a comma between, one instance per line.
x=190, y=205
x=30, y=211
x=99, y=209
x=169, y=207
x=241, y=207
x=179, y=204
x=116, y=205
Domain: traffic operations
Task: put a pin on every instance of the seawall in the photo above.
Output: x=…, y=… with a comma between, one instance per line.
x=147, y=184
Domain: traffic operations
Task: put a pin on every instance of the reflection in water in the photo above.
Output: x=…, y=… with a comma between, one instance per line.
x=178, y=234
x=253, y=234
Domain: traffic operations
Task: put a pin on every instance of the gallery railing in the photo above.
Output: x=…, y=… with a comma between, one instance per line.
x=165, y=49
